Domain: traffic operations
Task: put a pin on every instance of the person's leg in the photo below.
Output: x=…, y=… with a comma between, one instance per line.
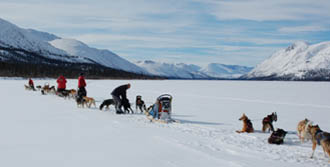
x=84, y=92
x=117, y=104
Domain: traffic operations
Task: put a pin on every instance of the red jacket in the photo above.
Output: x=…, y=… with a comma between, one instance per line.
x=61, y=82
x=31, y=82
x=81, y=82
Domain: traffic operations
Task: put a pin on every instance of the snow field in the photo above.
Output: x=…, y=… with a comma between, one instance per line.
x=47, y=130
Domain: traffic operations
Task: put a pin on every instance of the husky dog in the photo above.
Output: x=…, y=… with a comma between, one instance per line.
x=277, y=137
x=302, y=130
x=139, y=104
x=247, y=125
x=127, y=106
x=81, y=102
x=320, y=137
x=267, y=122
x=64, y=93
x=107, y=103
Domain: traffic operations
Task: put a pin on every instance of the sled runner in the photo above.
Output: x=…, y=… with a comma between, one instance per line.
x=161, y=111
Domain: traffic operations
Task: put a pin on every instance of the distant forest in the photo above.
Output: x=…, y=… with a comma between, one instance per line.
x=15, y=62
x=69, y=70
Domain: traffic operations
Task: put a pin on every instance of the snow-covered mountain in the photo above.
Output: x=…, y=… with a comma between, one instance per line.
x=298, y=61
x=190, y=71
x=15, y=40
x=103, y=57
x=172, y=70
x=225, y=71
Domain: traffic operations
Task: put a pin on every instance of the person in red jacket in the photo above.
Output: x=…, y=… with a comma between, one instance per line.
x=61, y=83
x=31, y=84
x=81, y=86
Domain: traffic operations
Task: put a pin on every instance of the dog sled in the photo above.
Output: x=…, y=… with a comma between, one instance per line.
x=161, y=111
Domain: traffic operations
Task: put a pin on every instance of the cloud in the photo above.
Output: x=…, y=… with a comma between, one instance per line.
x=298, y=29
x=277, y=10
x=187, y=30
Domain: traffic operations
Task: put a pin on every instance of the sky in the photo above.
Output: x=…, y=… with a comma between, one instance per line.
x=240, y=32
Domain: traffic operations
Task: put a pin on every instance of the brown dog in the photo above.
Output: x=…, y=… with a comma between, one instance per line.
x=267, y=122
x=320, y=138
x=72, y=93
x=247, y=125
x=89, y=101
x=302, y=131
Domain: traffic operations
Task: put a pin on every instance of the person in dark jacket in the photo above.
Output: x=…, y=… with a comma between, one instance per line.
x=81, y=86
x=118, y=95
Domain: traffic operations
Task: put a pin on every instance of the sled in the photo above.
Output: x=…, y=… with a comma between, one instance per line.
x=162, y=120
x=161, y=111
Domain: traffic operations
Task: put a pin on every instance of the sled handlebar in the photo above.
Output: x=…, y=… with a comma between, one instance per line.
x=165, y=95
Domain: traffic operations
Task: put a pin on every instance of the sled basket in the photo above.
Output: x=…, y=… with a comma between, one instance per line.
x=165, y=106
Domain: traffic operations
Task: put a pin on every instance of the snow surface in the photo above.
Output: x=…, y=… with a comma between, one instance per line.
x=297, y=59
x=46, y=130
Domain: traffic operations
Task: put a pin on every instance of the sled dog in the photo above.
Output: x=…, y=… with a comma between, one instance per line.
x=267, y=122
x=320, y=137
x=89, y=101
x=277, y=137
x=107, y=103
x=303, y=130
x=247, y=125
x=127, y=106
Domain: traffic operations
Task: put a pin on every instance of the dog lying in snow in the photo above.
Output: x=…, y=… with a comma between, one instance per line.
x=247, y=125
x=302, y=130
x=277, y=137
x=107, y=103
x=320, y=137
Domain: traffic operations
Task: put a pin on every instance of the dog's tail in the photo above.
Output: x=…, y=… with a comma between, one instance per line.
x=101, y=106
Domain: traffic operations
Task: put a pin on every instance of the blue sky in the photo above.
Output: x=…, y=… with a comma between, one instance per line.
x=243, y=32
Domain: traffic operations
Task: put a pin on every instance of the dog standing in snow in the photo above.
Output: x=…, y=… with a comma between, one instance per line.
x=320, y=137
x=303, y=130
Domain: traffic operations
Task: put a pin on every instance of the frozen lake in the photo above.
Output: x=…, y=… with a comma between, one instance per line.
x=46, y=130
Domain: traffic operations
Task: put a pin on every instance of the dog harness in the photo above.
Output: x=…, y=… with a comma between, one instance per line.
x=319, y=135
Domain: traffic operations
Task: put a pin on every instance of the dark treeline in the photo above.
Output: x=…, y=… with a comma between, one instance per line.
x=69, y=70
x=15, y=62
